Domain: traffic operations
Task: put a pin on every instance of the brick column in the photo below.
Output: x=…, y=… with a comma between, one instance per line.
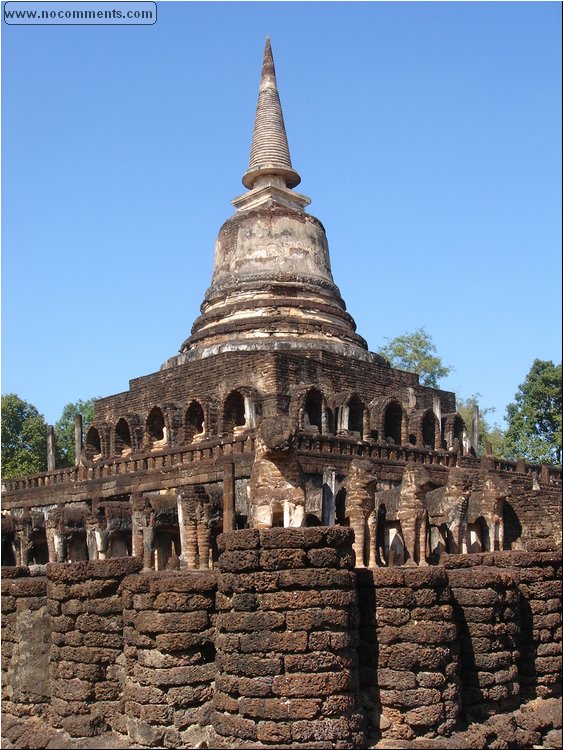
x=487, y=612
x=286, y=636
x=170, y=654
x=408, y=652
x=86, y=644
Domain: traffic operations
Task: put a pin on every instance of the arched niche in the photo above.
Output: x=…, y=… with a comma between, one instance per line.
x=428, y=429
x=478, y=538
x=93, y=444
x=277, y=515
x=123, y=442
x=77, y=548
x=313, y=411
x=356, y=411
x=39, y=551
x=194, y=422
x=512, y=526
x=155, y=430
x=234, y=412
x=392, y=422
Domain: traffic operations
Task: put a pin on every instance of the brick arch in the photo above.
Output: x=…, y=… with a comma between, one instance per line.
x=136, y=433
x=382, y=423
x=240, y=409
x=429, y=426
x=194, y=421
x=419, y=427
x=96, y=442
x=298, y=402
x=122, y=437
x=349, y=412
x=313, y=405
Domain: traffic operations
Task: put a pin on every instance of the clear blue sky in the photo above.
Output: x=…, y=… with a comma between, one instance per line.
x=427, y=134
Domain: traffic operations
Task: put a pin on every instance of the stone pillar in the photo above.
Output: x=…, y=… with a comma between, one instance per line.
x=484, y=597
x=372, y=539
x=228, y=496
x=324, y=421
x=343, y=419
x=410, y=681
x=521, y=466
x=91, y=543
x=102, y=542
x=77, y=438
x=203, y=544
x=474, y=439
x=329, y=497
x=191, y=544
x=182, y=519
x=437, y=409
x=249, y=412
x=404, y=428
x=26, y=635
x=170, y=665
x=50, y=448
x=366, y=431
x=137, y=524
x=297, y=665
x=148, y=545
x=60, y=546
x=50, y=532
x=87, y=665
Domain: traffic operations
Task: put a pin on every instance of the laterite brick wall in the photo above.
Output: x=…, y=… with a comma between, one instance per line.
x=287, y=672
x=170, y=654
x=86, y=655
x=487, y=612
x=408, y=652
x=284, y=645
x=537, y=577
x=26, y=689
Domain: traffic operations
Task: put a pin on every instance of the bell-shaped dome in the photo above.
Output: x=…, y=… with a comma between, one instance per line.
x=272, y=287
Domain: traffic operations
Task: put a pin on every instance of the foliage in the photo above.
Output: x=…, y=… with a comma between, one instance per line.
x=24, y=438
x=534, y=418
x=64, y=429
x=488, y=433
x=415, y=352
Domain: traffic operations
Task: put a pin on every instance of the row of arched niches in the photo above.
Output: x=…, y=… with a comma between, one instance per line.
x=387, y=420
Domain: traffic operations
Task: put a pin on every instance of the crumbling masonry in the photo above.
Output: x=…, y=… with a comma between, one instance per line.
x=212, y=580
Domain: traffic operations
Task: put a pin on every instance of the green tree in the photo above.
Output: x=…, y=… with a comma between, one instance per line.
x=24, y=438
x=64, y=429
x=488, y=433
x=534, y=418
x=416, y=352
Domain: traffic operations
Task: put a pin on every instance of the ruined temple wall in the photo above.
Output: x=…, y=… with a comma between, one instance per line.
x=26, y=688
x=333, y=373
x=271, y=373
x=98, y=645
x=474, y=637
x=86, y=662
x=207, y=380
x=169, y=640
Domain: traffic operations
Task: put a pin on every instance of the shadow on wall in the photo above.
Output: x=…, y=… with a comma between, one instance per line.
x=368, y=653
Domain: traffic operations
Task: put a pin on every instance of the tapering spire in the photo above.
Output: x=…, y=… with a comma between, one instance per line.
x=269, y=154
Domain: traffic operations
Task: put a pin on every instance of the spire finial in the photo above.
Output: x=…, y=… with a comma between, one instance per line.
x=269, y=154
